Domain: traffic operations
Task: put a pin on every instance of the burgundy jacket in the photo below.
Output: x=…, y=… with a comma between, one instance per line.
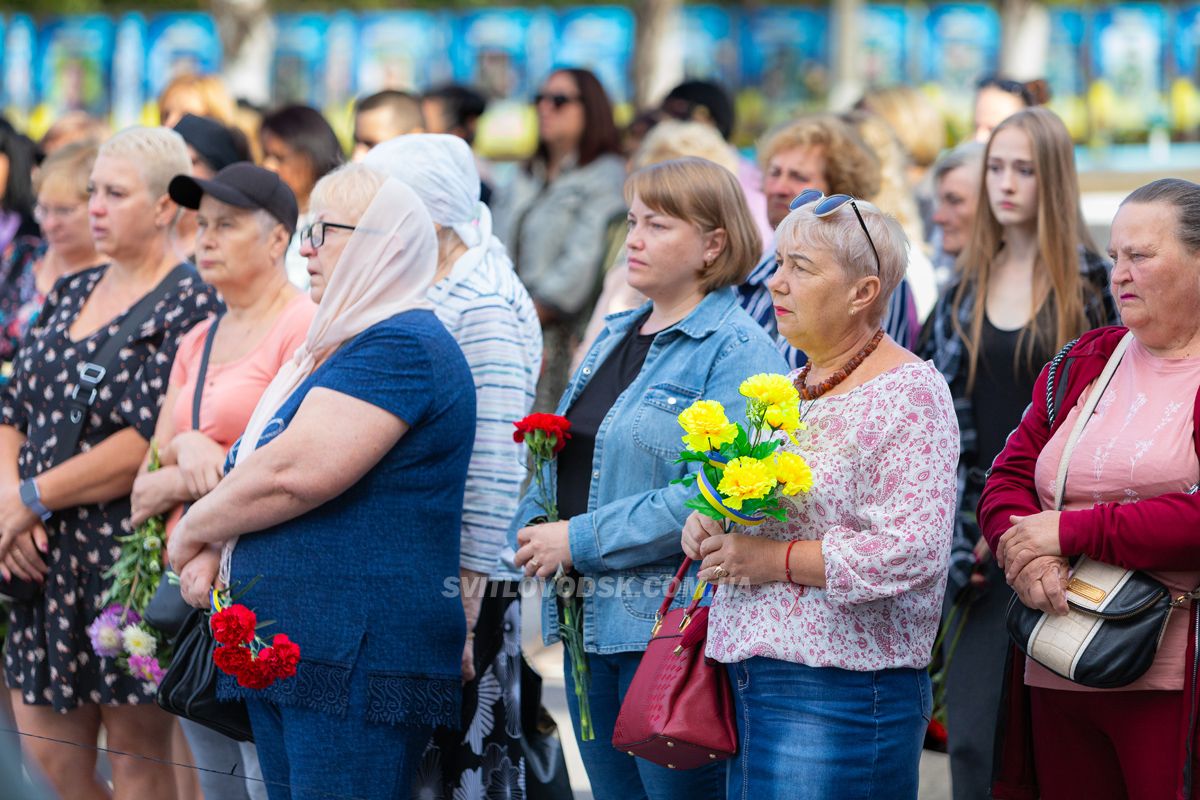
x=1159, y=533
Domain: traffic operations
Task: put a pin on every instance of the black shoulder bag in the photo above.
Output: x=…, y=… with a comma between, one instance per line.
x=167, y=610
x=87, y=389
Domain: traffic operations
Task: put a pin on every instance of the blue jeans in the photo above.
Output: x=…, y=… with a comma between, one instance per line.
x=309, y=755
x=619, y=776
x=820, y=733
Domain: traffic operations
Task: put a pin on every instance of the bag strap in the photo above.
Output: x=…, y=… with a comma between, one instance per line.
x=1085, y=414
x=673, y=588
x=92, y=373
x=202, y=372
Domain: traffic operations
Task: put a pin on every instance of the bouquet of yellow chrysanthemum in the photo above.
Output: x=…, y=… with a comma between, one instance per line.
x=742, y=475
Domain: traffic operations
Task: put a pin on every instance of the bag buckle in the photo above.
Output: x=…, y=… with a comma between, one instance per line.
x=92, y=373
x=1186, y=596
x=658, y=620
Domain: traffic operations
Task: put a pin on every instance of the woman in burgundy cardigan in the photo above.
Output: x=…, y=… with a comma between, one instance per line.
x=1128, y=500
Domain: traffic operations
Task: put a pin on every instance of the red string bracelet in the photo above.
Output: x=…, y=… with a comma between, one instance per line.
x=787, y=560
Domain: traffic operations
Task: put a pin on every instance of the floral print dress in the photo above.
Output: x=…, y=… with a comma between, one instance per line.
x=47, y=655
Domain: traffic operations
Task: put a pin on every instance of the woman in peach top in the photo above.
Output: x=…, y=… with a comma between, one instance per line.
x=1129, y=500
x=246, y=217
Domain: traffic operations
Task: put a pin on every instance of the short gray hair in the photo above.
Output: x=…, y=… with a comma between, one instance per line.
x=159, y=154
x=348, y=189
x=967, y=154
x=840, y=235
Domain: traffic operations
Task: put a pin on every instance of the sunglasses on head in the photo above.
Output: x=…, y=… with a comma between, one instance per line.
x=828, y=205
x=557, y=100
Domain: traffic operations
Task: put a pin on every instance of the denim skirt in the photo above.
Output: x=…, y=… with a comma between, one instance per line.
x=811, y=733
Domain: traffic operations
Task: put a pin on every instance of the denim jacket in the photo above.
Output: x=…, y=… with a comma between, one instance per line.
x=628, y=541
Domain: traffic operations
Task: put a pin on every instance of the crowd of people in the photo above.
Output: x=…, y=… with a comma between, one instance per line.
x=328, y=346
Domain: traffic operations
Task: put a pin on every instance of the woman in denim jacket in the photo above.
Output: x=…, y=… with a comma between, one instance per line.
x=691, y=240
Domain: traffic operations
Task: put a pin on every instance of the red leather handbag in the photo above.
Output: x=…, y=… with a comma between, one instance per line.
x=678, y=711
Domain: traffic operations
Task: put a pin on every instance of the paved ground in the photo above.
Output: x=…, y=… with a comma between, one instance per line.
x=935, y=778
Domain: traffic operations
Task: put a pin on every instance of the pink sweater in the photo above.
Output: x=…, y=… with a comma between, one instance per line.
x=883, y=457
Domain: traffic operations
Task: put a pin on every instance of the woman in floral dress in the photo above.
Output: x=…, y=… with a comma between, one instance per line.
x=60, y=688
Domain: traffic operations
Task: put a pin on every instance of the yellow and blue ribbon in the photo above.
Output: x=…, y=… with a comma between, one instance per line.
x=710, y=493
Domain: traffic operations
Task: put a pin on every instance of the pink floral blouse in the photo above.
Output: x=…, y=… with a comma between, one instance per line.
x=882, y=505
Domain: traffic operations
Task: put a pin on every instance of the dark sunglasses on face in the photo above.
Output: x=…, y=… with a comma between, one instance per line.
x=315, y=234
x=557, y=100
x=829, y=205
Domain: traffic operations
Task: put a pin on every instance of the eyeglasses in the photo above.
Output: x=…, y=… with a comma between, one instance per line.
x=557, y=100
x=315, y=234
x=43, y=212
x=829, y=205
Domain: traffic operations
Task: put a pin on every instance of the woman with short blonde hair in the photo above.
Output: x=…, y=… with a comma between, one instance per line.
x=59, y=518
x=690, y=239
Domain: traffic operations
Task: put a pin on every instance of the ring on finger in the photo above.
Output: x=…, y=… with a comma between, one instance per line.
x=536, y=564
x=720, y=572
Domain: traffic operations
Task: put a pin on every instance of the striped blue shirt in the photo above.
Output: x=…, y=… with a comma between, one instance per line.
x=489, y=313
x=898, y=322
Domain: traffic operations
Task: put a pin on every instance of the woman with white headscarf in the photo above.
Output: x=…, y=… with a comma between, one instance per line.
x=481, y=301
x=346, y=493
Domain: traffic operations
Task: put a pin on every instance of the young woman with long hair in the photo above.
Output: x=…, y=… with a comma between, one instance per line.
x=1029, y=281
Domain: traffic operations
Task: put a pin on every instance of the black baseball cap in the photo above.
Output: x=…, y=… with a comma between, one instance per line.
x=243, y=185
x=210, y=139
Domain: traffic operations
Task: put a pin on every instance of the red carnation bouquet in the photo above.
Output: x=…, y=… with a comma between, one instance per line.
x=242, y=653
x=546, y=435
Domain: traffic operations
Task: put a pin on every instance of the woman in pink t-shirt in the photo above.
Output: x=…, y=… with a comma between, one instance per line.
x=245, y=221
x=1128, y=500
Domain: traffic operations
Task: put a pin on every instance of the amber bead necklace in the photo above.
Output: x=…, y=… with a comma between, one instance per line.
x=813, y=392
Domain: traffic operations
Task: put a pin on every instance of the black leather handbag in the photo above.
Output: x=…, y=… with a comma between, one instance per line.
x=189, y=689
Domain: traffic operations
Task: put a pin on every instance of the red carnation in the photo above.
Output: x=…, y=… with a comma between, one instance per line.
x=553, y=427
x=256, y=675
x=288, y=654
x=232, y=659
x=234, y=625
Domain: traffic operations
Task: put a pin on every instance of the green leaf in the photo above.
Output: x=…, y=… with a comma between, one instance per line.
x=691, y=455
x=741, y=444
x=702, y=505
x=686, y=480
x=765, y=449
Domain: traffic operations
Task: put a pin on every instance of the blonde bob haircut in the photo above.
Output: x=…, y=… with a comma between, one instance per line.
x=70, y=167
x=347, y=190
x=159, y=154
x=840, y=235
x=708, y=196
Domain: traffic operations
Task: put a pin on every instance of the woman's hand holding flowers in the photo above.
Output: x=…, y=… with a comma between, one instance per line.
x=548, y=545
x=154, y=493
x=201, y=460
x=698, y=528
x=743, y=560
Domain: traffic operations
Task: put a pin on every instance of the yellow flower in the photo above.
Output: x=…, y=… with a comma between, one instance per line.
x=770, y=389
x=775, y=397
x=746, y=479
x=707, y=426
x=793, y=472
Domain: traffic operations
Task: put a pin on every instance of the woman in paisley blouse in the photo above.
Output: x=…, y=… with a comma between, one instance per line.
x=60, y=688
x=826, y=620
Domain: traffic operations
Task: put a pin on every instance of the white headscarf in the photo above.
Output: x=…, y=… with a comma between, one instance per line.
x=441, y=169
x=386, y=269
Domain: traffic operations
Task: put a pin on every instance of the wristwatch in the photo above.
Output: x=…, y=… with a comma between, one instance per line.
x=32, y=499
